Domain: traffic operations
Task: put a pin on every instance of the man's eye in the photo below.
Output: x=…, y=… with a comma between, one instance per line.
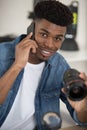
x=59, y=38
x=43, y=34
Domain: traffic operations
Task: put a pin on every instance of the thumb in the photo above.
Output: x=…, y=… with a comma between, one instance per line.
x=64, y=90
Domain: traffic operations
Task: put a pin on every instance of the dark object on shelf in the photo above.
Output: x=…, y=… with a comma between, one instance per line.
x=70, y=43
x=74, y=86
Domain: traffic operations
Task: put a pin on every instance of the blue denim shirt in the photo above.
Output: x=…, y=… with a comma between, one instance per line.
x=48, y=94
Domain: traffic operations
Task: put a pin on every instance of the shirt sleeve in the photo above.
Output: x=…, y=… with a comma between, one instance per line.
x=77, y=120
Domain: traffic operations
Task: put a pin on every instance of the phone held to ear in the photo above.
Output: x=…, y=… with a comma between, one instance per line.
x=31, y=29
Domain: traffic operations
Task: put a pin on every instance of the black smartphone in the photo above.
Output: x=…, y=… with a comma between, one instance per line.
x=31, y=28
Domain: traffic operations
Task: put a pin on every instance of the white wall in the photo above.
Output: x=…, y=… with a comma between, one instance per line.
x=13, y=18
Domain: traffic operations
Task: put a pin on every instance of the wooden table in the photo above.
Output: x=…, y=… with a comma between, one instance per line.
x=74, y=128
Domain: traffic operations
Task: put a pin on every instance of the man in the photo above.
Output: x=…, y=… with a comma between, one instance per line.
x=31, y=72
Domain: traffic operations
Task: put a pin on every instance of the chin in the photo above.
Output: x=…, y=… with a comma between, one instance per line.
x=43, y=58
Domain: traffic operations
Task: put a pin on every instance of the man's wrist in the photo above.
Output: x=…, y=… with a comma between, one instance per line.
x=16, y=67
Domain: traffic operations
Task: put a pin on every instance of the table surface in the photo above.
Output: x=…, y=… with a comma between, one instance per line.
x=74, y=128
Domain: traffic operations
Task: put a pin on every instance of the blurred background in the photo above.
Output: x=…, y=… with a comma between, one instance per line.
x=14, y=20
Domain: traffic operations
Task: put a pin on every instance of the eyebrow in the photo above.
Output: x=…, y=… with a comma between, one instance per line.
x=44, y=30
x=58, y=35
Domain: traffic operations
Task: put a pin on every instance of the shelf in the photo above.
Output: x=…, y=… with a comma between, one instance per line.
x=80, y=55
x=76, y=59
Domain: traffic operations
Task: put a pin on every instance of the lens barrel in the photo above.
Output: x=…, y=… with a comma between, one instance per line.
x=74, y=86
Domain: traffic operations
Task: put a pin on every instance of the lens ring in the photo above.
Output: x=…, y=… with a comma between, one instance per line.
x=77, y=93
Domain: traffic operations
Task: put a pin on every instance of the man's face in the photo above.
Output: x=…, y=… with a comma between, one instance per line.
x=49, y=38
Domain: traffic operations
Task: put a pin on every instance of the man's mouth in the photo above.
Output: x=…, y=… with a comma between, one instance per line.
x=46, y=52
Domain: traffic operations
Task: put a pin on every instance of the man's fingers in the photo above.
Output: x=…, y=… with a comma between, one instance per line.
x=29, y=35
x=28, y=43
x=84, y=77
x=63, y=90
x=33, y=49
x=29, y=47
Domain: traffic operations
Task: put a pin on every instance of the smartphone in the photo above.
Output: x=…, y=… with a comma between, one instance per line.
x=31, y=28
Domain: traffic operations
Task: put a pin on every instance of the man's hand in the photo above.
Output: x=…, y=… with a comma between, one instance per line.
x=80, y=106
x=23, y=50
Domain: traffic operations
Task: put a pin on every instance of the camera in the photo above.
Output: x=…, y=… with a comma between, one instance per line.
x=74, y=86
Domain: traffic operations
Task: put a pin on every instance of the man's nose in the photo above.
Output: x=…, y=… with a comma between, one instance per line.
x=49, y=42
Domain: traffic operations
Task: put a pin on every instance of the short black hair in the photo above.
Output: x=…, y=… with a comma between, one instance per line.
x=53, y=11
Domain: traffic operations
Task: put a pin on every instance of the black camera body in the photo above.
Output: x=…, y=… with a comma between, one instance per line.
x=74, y=86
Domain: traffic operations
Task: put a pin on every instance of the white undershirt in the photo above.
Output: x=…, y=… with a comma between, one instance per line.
x=21, y=115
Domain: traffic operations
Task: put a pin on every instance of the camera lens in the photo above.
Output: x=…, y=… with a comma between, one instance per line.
x=74, y=85
x=76, y=92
